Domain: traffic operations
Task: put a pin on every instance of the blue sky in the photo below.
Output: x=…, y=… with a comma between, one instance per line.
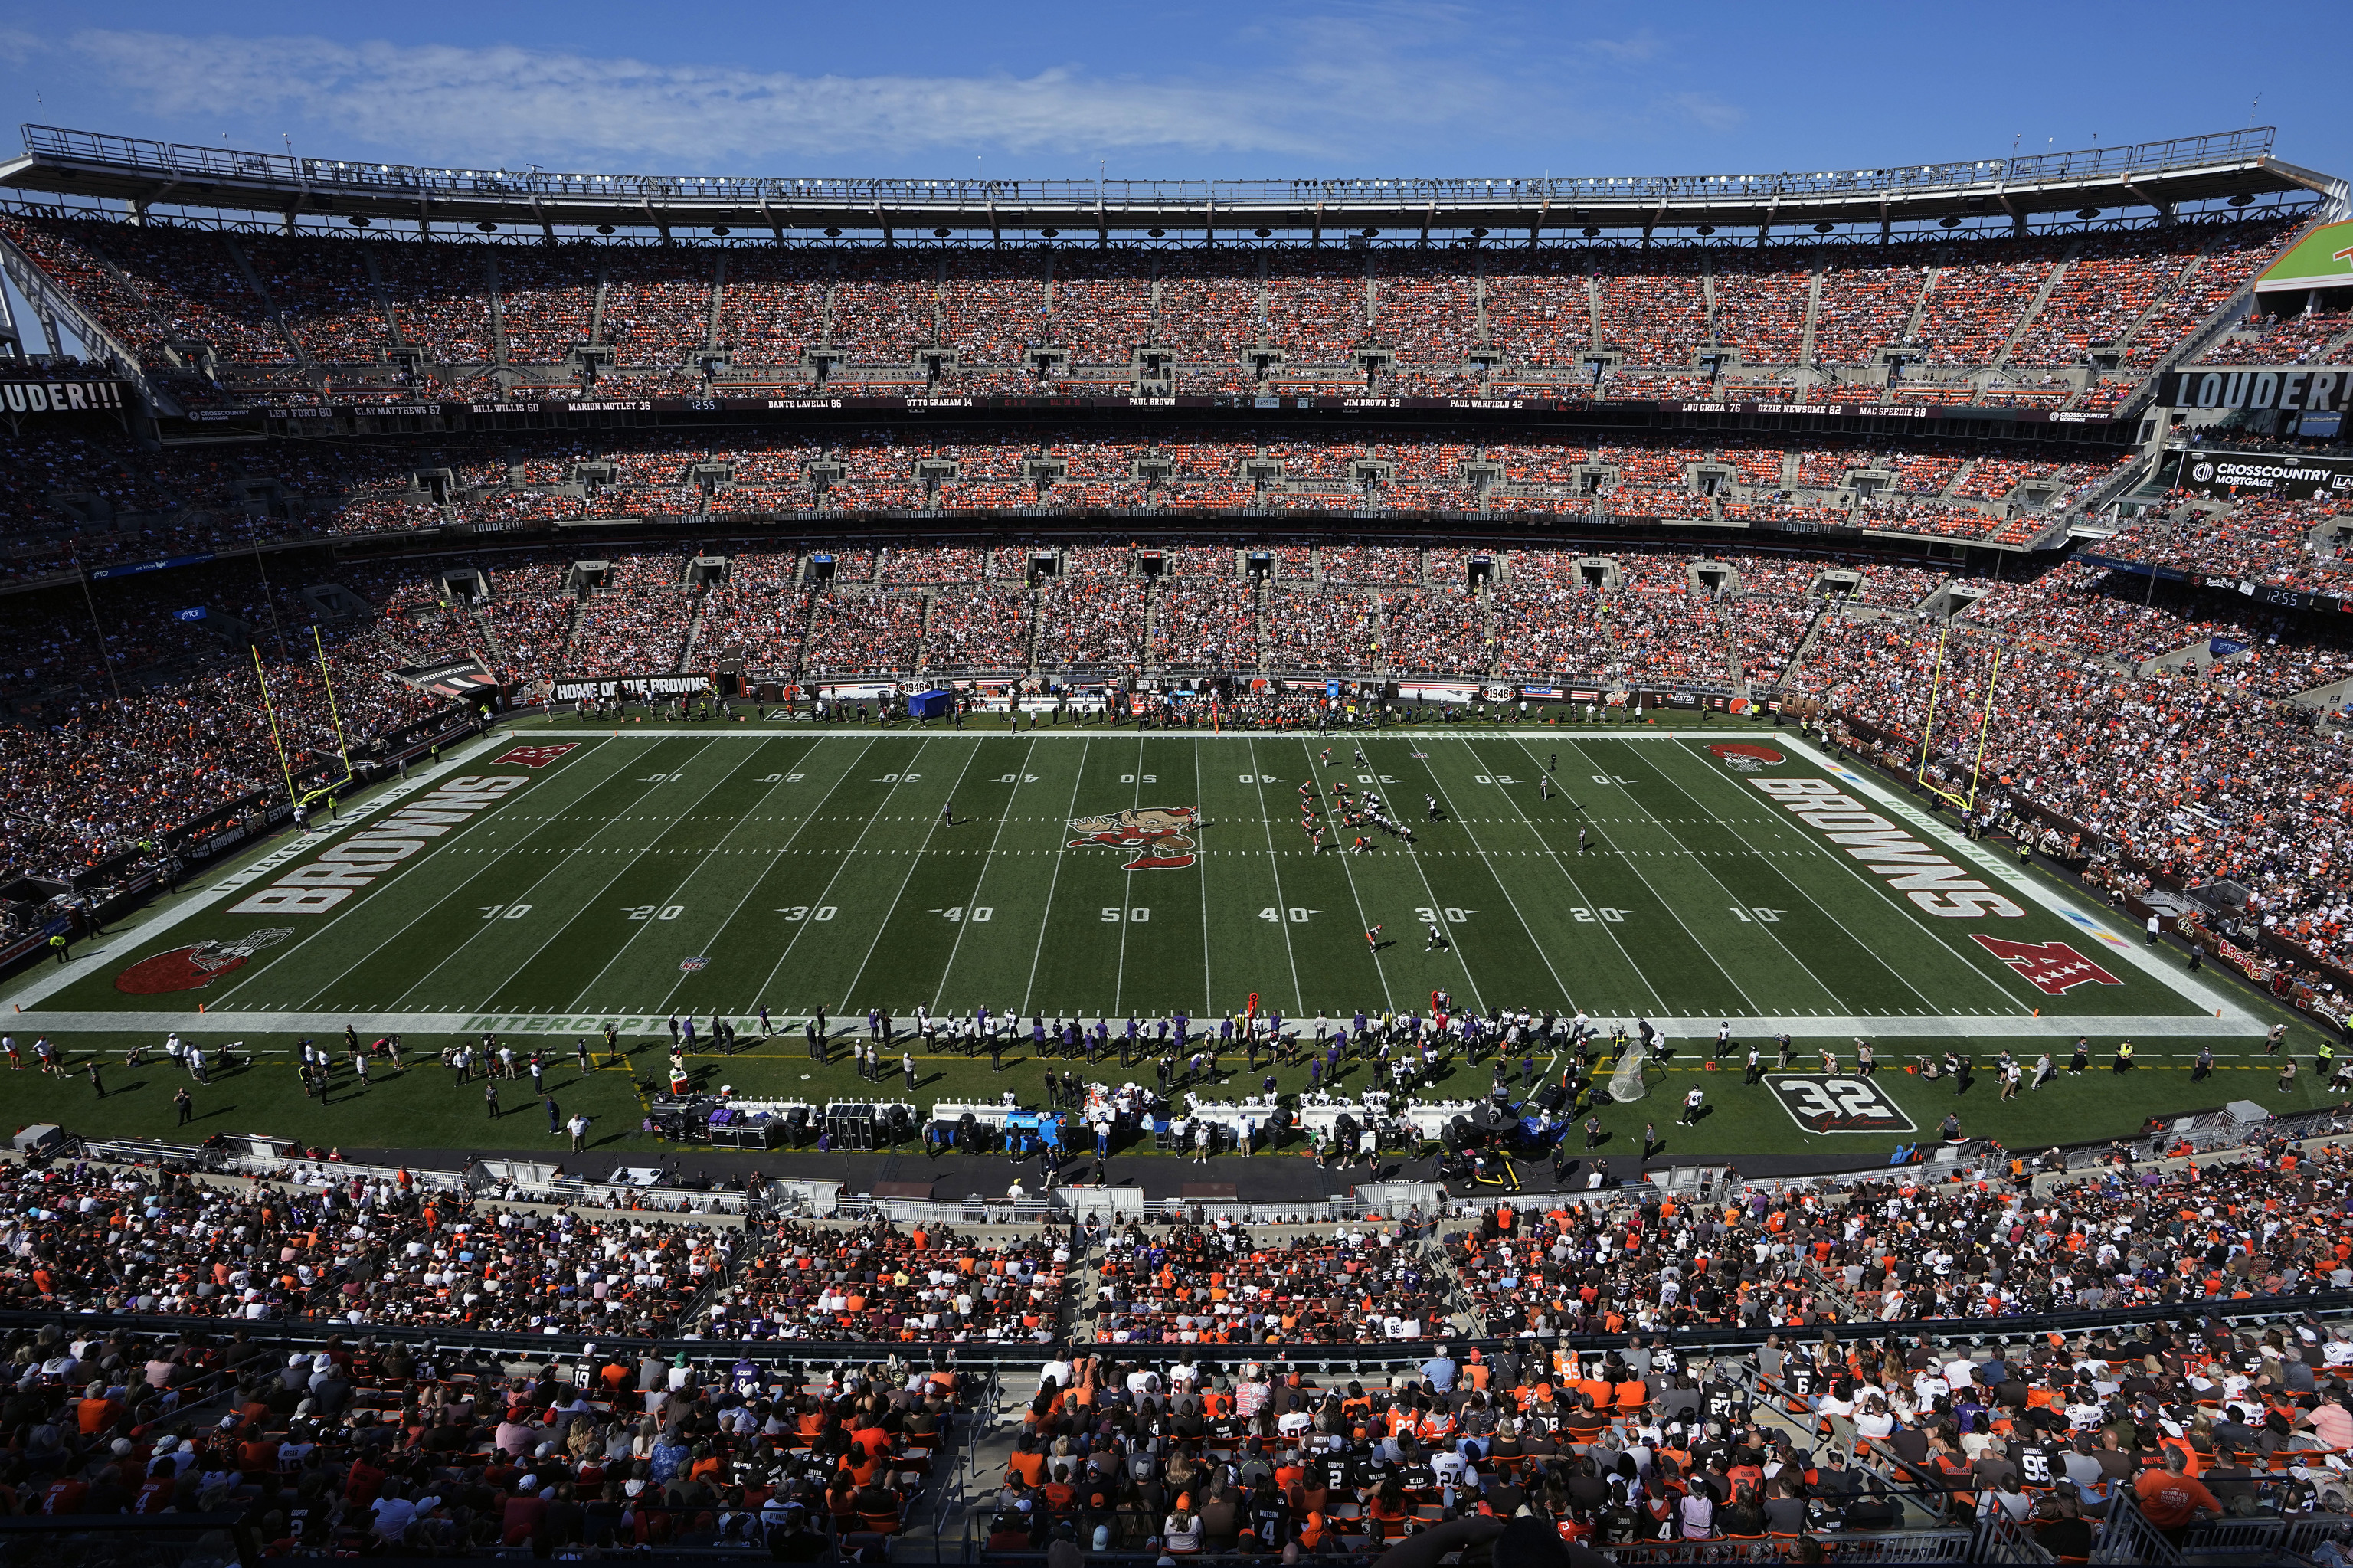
x=1276, y=89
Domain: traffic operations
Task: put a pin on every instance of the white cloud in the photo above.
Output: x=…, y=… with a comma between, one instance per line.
x=1706, y=110
x=447, y=103
x=1354, y=85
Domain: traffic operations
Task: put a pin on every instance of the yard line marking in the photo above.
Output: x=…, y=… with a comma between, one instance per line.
x=867, y=827
x=1046, y=920
x=1640, y=978
x=588, y=904
x=1128, y=887
x=964, y=925
x=1905, y=906
x=1282, y=905
x=1358, y=899
x=761, y=875
x=914, y=860
x=1655, y=820
x=1664, y=904
x=352, y=906
x=1209, y=988
x=1722, y=887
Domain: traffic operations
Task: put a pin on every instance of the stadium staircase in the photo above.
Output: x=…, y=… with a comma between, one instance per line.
x=497, y=312
x=276, y=316
x=718, y=302
x=1792, y=672
x=2034, y=306
x=1813, y=314
x=383, y=303
x=1265, y=592
x=693, y=635
x=604, y=293
x=1920, y=306
x=51, y=304
x=2181, y=280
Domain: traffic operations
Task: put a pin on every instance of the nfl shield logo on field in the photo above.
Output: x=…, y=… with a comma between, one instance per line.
x=687, y=966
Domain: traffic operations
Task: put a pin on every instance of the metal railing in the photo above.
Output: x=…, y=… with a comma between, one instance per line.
x=2126, y=1535
x=182, y=161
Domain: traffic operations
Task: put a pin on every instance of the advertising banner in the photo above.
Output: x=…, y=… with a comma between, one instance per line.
x=2286, y=388
x=2292, y=476
x=1565, y=401
x=135, y=568
x=571, y=688
x=67, y=396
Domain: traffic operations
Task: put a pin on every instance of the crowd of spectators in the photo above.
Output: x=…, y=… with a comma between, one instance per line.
x=880, y=1284
x=1548, y=617
x=1436, y=631
x=1232, y=319
x=2292, y=544
x=1836, y=1421
x=180, y=498
x=2284, y=338
x=1904, y=1248
x=1091, y=625
x=1335, y=631
x=1218, y=1285
x=981, y=628
x=2193, y=774
x=855, y=633
x=353, y=1446
x=1205, y=623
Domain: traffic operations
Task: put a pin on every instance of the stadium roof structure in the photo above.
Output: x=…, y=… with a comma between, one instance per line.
x=2162, y=176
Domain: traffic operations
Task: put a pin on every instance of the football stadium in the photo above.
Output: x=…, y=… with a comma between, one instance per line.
x=1387, y=870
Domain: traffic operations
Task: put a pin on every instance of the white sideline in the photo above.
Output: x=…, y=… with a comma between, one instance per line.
x=1895, y=1026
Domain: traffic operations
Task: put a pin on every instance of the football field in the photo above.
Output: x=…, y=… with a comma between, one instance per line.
x=556, y=879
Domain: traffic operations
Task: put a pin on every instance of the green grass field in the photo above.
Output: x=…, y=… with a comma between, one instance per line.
x=623, y=877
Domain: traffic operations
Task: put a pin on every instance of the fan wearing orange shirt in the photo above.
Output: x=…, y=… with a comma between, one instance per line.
x=2171, y=1499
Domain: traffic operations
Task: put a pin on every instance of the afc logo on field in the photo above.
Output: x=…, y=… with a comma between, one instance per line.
x=2052, y=968
x=1822, y=1102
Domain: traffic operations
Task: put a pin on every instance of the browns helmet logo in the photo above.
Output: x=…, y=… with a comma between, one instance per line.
x=1161, y=838
x=1746, y=757
x=186, y=968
